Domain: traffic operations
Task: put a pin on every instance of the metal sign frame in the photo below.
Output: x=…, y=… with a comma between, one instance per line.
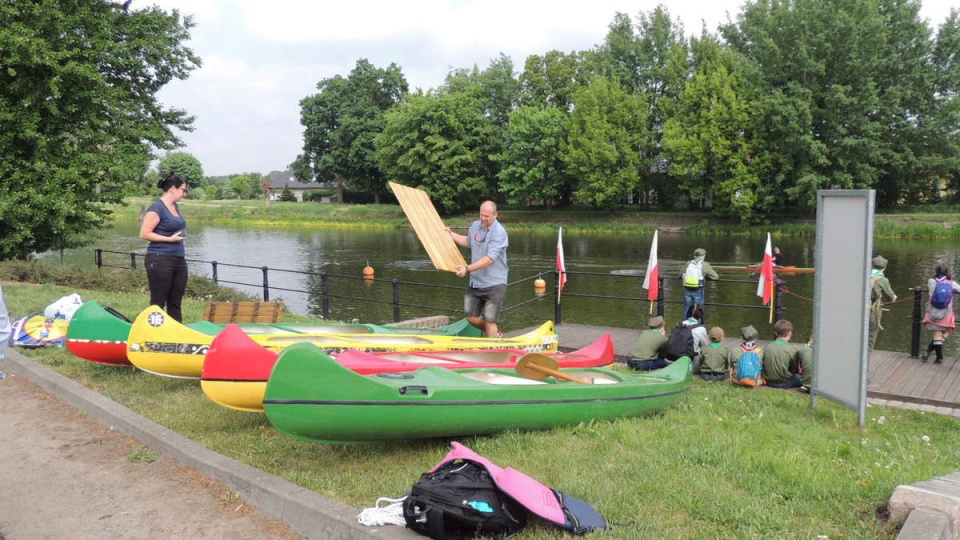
x=842, y=297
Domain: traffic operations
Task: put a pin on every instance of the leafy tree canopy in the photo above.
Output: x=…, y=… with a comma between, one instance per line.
x=79, y=117
x=185, y=165
x=341, y=122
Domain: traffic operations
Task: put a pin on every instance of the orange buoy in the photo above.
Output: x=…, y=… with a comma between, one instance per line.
x=539, y=286
x=368, y=271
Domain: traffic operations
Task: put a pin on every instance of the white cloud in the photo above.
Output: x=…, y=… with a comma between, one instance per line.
x=261, y=58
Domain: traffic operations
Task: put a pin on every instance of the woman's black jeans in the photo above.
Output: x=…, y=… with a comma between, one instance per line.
x=167, y=276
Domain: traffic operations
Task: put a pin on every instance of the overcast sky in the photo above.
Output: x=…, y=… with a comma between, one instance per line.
x=260, y=58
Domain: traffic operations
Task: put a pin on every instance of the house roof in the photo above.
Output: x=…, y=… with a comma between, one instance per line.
x=282, y=179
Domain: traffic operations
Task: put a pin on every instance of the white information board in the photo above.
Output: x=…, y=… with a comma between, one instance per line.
x=842, y=297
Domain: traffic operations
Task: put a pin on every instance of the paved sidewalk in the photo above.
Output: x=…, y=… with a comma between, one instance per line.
x=50, y=490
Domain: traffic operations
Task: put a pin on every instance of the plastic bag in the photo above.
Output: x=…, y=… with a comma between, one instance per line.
x=64, y=308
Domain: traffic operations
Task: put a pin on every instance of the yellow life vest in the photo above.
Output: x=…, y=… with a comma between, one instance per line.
x=693, y=275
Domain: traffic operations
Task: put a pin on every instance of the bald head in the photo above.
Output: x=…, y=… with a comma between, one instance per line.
x=488, y=213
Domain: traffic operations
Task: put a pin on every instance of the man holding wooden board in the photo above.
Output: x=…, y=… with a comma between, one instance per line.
x=487, y=271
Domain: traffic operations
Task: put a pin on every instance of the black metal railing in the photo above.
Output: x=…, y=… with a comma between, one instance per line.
x=326, y=291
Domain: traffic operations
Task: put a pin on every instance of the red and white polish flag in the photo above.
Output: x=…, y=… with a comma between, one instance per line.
x=651, y=281
x=561, y=265
x=765, y=287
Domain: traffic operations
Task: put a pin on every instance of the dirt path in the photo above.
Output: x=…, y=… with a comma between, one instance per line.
x=64, y=475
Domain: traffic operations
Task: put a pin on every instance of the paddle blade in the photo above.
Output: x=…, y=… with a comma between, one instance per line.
x=528, y=364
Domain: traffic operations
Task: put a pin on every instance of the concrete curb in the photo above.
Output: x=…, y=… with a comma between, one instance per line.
x=931, y=508
x=926, y=525
x=305, y=511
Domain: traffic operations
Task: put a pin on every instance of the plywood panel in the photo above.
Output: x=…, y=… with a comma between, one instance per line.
x=243, y=312
x=429, y=227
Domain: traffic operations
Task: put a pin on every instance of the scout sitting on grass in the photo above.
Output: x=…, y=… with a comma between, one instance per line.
x=649, y=350
x=715, y=363
x=786, y=365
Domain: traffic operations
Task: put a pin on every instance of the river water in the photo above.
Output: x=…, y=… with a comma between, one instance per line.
x=601, y=265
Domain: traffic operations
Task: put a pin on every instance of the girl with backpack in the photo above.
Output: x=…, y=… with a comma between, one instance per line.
x=939, y=318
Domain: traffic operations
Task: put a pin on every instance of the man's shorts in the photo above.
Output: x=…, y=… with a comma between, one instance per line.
x=485, y=302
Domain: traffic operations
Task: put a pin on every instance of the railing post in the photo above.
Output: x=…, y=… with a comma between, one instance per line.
x=98, y=257
x=133, y=261
x=214, y=265
x=396, y=301
x=324, y=295
x=778, y=299
x=661, y=305
x=917, y=319
x=557, y=310
x=266, y=283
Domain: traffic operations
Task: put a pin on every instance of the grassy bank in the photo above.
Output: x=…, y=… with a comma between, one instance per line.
x=727, y=463
x=928, y=223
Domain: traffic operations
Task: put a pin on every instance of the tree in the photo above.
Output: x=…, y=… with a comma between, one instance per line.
x=606, y=142
x=945, y=113
x=185, y=165
x=552, y=79
x=341, y=122
x=498, y=93
x=79, y=114
x=438, y=142
x=710, y=141
x=650, y=60
x=850, y=96
x=496, y=86
x=245, y=186
x=531, y=168
x=287, y=195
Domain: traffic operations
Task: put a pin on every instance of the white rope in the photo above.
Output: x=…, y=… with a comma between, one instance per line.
x=391, y=514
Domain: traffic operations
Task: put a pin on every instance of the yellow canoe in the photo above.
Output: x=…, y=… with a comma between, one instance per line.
x=160, y=345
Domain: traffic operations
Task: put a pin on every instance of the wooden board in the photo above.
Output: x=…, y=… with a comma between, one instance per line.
x=430, y=229
x=243, y=312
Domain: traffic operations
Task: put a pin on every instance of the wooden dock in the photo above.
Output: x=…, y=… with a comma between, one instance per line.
x=893, y=378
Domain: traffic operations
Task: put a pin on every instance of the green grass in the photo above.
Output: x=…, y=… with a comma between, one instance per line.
x=618, y=220
x=729, y=462
x=143, y=455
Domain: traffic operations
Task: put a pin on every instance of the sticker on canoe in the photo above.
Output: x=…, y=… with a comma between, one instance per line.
x=155, y=319
x=178, y=348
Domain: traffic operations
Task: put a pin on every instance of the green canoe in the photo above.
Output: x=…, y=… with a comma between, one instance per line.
x=310, y=396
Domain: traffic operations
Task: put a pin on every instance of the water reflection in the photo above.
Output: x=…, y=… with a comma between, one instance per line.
x=618, y=260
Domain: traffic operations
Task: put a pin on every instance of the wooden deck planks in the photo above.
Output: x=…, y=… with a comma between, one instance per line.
x=950, y=389
x=883, y=365
x=891, y=375
x=431, y=231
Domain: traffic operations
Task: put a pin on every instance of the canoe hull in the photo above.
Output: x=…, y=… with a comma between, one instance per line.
x=97, y=335
x=236, y=368
x=316, y=399
x=160, y=345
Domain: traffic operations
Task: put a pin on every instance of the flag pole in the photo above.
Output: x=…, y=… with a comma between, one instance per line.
x=773, y=299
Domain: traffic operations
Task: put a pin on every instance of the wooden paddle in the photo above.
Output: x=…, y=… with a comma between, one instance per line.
x=538, y=366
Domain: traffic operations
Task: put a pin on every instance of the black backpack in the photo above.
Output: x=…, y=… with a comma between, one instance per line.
x=680, y=342
x=461, y=500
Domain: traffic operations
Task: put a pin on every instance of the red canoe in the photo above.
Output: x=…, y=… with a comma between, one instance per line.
x=236, y=368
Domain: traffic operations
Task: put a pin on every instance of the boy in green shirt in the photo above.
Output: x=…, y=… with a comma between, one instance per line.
x=648, y=351
x=715, y=364
x=783, y=362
